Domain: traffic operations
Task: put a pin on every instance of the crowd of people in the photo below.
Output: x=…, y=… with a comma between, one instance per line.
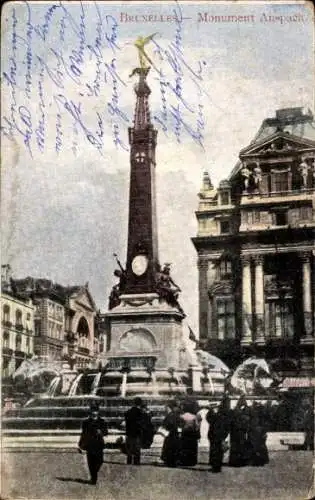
x=245, y=425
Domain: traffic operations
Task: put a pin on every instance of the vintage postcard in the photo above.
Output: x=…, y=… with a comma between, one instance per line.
x=158, y=282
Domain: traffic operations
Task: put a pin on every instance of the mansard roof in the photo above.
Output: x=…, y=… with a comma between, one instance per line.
x=39, y=287
x=289, y=124
x=291, y=120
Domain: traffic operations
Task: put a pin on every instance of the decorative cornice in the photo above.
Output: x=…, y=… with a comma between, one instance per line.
x=222, y=287
x=246, y=259
x=305, y=256
x=258, y=259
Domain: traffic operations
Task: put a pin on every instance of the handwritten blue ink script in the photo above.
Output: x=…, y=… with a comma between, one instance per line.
x=65, y=78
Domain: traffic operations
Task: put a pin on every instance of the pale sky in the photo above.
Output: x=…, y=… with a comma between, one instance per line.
x=65, y=77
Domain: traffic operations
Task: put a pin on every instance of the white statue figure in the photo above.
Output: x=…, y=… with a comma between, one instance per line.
x=303, y=169
x=245, y=174
x=257, y=174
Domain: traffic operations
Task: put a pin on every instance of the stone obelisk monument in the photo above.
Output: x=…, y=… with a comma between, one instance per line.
x=144, y=318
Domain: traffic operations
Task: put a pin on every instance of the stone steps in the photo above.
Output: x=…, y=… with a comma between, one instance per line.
x=24, y=440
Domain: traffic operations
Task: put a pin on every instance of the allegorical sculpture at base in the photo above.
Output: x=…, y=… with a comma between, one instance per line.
x=166, y=288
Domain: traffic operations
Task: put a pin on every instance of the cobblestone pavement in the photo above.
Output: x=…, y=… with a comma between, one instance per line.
x=58, y=475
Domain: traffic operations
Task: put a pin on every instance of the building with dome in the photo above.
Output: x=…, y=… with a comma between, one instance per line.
x=255, y=245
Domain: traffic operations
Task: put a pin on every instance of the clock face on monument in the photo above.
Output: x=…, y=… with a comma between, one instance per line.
x=139, y=265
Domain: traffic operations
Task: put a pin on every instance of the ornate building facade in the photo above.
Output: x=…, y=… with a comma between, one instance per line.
x=17, y=329
x=64, y=319
x=255, y=246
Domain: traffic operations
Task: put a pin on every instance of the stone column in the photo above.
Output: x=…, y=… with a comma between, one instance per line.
x=307, y=297
x=246, y=301
x=259, y=300
x=203, y=297
x=123, y=387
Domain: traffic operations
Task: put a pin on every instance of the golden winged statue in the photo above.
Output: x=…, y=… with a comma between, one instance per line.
x=140, y=43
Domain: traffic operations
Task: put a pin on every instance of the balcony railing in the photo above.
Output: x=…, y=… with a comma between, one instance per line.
x=83, y=350
x=19, y=327
x=7, y=323
x=71, y=337
x=292, y=192
x=7, y=351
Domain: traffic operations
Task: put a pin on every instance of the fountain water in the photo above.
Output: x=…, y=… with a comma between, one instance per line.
x=55, y=386
x=113, y=388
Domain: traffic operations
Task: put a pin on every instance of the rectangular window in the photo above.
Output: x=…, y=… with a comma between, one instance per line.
x=225, y=226
x=281, y=218
x=280, y=181
x=37, y=328
x=202, y=224
x=6, y=340
x=51, y=330
x=256, y=216
x=306, y=213
x=225, y=198
x=27, y=345
x=226, y=318
x=224, y=269
x=280, y=319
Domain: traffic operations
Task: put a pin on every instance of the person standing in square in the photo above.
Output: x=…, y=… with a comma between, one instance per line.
x=135, y=419
x=94, y=428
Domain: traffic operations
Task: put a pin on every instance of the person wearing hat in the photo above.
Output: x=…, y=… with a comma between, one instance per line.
x=94, y=428
x=239, y=427
x=136, y=420
x=218, y=418
x=171, y=445
x=190, y=433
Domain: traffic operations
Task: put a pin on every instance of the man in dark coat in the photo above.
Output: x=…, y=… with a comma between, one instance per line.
x=218, y=418
x=239, y=424
x=171, y=446
x=136, y=420
x=257, y=436
x=94, y=428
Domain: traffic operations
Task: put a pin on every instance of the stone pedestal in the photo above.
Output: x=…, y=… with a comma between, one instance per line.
x=144, y=325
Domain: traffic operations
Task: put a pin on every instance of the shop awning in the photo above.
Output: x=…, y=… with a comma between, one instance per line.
x=297, y=382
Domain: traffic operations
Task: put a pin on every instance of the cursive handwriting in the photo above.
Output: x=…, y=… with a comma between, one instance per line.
x=180, y=122
x=19, y=119
x=25, y=127
x=59, y=134
x=58, y=70
x=76, y=112
x=40, y=130
x=10, y=80
x=170, y=116
x=29, y=55
x=56, y=57
x=42, y=31
x=76, y=59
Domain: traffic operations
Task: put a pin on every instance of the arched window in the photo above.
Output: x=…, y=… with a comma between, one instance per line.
x=6, y=339
x=83, y=328
x=6, y=314
x=18, y=343
x=18, y=319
